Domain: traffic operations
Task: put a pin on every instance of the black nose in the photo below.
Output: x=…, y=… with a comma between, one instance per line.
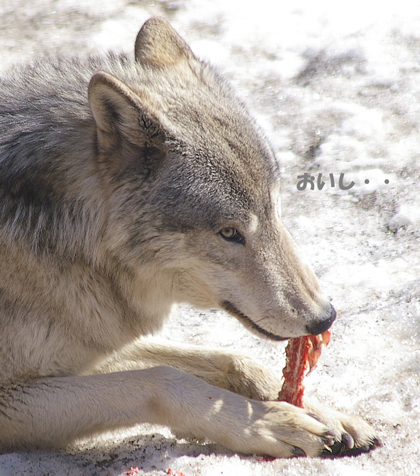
x=322, y=326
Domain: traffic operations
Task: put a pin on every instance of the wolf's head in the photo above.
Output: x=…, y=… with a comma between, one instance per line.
x=194, y=185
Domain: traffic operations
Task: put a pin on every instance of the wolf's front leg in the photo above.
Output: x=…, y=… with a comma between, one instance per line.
x=234, y=372
x=54, y=411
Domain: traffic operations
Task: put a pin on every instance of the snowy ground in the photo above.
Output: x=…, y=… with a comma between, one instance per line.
x=337, y=87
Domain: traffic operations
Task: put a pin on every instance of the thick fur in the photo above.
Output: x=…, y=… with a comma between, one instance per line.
x=126, y=186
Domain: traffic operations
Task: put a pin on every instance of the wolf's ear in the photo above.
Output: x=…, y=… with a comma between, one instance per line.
x=158, y=44
x=124, y=118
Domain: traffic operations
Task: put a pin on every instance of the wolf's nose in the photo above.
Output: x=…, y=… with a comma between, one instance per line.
x=321, y=326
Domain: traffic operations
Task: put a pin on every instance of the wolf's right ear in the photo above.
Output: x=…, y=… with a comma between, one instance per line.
x=122, y=115
x=158, y=45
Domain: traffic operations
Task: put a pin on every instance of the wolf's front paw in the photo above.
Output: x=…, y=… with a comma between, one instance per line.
x=281, y=430
x=246, y=377
x=354, y=434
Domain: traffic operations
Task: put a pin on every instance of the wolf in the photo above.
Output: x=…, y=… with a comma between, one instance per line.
x=128, y=185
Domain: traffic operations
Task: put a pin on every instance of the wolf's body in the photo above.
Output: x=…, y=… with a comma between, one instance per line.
x=158, y=189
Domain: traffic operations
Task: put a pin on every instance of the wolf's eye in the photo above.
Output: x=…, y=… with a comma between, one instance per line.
x=232, y=234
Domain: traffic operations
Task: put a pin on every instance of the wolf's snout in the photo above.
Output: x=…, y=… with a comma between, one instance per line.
x=320, y=327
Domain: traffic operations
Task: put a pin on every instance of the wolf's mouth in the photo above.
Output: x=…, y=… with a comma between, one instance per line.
x=231, y=309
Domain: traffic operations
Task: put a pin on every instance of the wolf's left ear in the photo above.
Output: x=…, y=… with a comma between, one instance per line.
x=124, y=118
x=158, y=45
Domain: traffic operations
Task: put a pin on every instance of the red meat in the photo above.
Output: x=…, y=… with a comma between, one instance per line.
x=302, y=354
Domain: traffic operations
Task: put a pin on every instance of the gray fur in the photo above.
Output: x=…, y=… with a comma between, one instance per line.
x=119, y=177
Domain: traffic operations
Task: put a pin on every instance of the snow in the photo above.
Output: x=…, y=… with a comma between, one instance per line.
x=336, y=86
